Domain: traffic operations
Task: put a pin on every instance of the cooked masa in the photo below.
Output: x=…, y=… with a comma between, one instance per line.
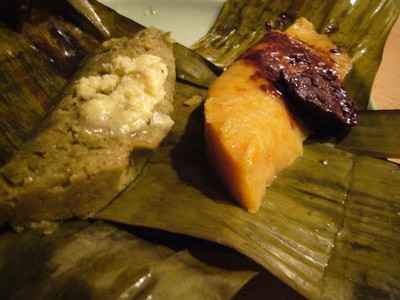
x=82, y=157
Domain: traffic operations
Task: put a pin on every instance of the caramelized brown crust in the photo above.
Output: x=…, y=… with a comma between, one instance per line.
x=308, y=80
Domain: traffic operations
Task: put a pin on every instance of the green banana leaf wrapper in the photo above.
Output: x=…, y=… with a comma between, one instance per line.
x=329, y=225
x=360, y=27
x=27, y=86
x=375, y=135
x=84, y=261
x=328, y=198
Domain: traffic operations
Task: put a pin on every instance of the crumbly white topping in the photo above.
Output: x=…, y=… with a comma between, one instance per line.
x=124, y=99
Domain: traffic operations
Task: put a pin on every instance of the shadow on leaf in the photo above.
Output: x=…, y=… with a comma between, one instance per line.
x=189, y=159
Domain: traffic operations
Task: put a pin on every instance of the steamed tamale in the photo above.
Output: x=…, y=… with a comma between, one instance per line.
x=82, y=156
x=250, y=129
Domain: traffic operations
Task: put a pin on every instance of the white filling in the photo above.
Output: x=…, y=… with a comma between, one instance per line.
x=124, y=99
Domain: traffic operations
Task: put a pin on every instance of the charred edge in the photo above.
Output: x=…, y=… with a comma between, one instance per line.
x=308, y=82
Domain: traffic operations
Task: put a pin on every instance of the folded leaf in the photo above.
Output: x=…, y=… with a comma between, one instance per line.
x=99, y=261
x=376, y=134
x=192, y=68
x=359, y=27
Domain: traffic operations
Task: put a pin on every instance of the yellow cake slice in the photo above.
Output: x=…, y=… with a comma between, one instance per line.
x=251, y=134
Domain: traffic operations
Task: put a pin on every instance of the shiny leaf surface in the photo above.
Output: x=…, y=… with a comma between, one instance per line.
x=82, y=261
x=295, y=233
x=358, y=26
x=377, y=134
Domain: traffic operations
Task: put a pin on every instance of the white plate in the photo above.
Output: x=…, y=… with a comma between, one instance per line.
x=187, y=20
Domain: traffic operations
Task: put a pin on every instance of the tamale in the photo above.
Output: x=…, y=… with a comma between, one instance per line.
x=82, y=157
x=250, y=130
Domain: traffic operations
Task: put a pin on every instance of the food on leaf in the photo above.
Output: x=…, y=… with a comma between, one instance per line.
x=83, y=156
x=261, y=109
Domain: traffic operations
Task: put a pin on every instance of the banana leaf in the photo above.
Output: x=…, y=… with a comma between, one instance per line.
x=99, y=261
x=28, y=86
x=367, y=245
x=295, y=234
x=65, y=44
x=376, y=134
x=326, y=222
x=192, y=68
x=358, y=26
